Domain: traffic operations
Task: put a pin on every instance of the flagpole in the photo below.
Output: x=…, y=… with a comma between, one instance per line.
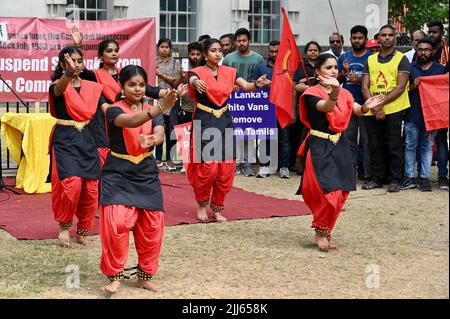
x=334, y=17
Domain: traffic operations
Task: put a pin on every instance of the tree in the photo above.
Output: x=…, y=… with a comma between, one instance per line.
x=415, y=13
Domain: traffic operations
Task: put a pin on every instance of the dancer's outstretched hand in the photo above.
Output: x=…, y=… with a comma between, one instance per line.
x=169, y=100
x=147, y=141
x=182, y=89
x=201, y=86
x=328, y=80
x=77, y=36
x=374, y=102
x=70, y=66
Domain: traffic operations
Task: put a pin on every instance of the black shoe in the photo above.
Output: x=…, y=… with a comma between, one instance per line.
x=408, y=183
x=424, y=185
x=371, y=185
x=443, y=182
x=394, y=187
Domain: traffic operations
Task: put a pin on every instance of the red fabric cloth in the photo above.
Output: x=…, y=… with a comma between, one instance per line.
x=324, y=207
x=338, y=118
x=218, y=90
x=74, y=196
x=131, y=134
x=433, y=92
x=217, y=177
x=103, y=154
x=81, y=107
x=286, y=64
x=110, y=86
x=116, y=221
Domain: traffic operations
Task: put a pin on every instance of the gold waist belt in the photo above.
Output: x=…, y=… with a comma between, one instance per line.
x=332, y=137
x=133, y=159
x=217, y=113
x=78, y=125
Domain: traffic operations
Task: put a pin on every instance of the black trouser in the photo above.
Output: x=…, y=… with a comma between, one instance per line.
x=184, y=117
x=385, y=134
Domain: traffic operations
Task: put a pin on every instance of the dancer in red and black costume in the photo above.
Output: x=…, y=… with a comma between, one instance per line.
x=75, y=168
x=210, y=87
x=108, y=76
x=329, y=175
x=131, y=196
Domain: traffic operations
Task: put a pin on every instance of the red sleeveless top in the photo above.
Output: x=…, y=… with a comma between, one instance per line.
x=131, y=135
x=110, y=86
x=80, y=106
x=219, y=89
x=338, y=118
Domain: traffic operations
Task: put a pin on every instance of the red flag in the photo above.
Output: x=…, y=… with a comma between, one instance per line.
x=285, y=66
x=434, y=98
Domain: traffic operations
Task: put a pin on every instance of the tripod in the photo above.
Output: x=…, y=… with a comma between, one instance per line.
x=2, y=184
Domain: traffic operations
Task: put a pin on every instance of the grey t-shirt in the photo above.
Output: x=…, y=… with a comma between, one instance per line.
x=244, y=65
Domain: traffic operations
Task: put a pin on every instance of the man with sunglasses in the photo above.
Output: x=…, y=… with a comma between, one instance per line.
x=336, y=44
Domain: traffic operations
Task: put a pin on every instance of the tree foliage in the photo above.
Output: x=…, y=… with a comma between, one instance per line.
x=419, y=12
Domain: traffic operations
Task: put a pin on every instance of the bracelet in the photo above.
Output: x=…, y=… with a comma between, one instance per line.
x=149, y=115
x=363, y=111
x=160, y=108
x=335, y=100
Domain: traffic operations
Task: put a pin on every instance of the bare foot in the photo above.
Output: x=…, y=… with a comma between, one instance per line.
x=64, y=238
x=82, y=240
x=331, y=246
x=113, y=287
x=322, y=242
x=219, y=217
x=147, y=284
x=201, y=213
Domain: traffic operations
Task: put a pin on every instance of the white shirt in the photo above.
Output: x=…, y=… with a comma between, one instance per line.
x=410, y=54
x=331, y=52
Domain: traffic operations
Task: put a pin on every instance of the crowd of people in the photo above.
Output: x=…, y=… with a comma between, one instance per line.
x=357, y=114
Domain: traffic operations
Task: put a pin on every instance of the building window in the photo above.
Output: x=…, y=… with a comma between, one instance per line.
x=264, y=20
x=178, y=20
x=120, y=12
x=87, y=9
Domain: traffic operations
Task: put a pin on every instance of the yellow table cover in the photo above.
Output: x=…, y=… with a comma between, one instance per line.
x=29, y=133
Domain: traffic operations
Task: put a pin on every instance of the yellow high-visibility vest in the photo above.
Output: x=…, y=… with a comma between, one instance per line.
x=383, y=80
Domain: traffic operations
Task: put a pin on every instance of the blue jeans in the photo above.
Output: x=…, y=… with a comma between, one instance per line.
x=168, y=122
x=284, y=147
x=418, y=137
x=442, y=152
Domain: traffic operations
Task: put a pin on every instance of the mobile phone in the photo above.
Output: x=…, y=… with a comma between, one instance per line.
x=185, y=64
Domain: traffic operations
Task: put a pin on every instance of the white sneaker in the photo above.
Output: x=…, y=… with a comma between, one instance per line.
x=171, y=167
x=263, y=172
x=284, y=172
x=182, y=170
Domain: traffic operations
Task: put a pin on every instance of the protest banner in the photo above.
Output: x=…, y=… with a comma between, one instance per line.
x=29, y=50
